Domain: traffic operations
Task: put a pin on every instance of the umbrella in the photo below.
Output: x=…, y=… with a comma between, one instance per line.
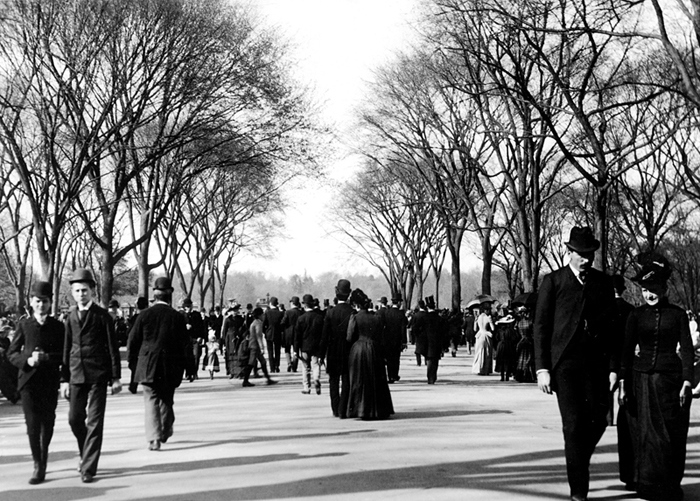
x=528, y=299
x=480, y=299
x=472, y=303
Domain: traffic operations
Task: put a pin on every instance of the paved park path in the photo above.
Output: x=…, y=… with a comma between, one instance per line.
x=466, y=438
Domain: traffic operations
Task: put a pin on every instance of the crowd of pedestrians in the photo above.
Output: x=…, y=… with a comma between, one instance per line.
x=577, y=338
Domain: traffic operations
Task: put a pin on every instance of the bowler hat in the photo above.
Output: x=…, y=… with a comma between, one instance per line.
x=163, y=284
x=187, y=302
x=274, y=301
x=113, y=304
x=294, y=300
x=383, y=300
x=343, y=288
x=82, y=275
x=42, y=290
x=142, y=303
x=581, y=240
x=308, y=300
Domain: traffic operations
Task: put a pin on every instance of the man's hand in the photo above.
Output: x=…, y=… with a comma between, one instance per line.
x=613, y=381
x=65, y=390
x=544, y=382
x=686, y=393
x=116, y=386
x=622, y=394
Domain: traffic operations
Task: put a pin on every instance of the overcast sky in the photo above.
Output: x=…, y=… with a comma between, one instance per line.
x=338, y=44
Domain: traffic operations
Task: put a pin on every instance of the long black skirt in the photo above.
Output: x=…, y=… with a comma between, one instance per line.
x=369, y=396
x=659, y=430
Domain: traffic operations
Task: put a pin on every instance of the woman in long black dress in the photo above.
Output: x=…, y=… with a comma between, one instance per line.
x=369, y=396
x=656, y=385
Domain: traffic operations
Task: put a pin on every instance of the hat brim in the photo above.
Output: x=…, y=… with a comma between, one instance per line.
x=582, y=249
x=82, y=281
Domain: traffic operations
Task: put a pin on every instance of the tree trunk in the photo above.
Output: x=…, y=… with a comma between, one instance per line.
x=487, y=256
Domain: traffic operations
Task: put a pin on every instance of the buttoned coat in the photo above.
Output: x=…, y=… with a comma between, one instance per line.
x=158, y=346
x=559, y=314
x=91, y=350
x=30, y=334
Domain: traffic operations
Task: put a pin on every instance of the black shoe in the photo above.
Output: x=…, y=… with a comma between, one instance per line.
x=289, y=368
x=247, y=384
x=271, y=381
x=166, y=435
x=39, y=473
x=87, y=478
x=306, y=392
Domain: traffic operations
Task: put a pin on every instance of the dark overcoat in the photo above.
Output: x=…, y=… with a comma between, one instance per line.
x=309, y=331
x=159, y=346
x=272, y=325
x=334, y=343
x=420, y=334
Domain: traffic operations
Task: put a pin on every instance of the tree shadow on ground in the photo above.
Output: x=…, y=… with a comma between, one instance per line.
x=534, y=474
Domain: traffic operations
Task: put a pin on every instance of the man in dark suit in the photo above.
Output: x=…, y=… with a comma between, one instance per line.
x=272, y=326
x=394, y=340
x=309, y=331
x=90, y=363
x=430, y=329
x=289, y=324
x=37, y=351
x=574, y=346
x=418, y=332
x=159, y=350
x=335, y=347
x=197, y=333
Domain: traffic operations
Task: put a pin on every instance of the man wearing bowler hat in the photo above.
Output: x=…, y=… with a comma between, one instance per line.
x=91, y=355
x=574, y=333
x=159, y=349
x=197, y=333
x=37, y=351
x=335, y=347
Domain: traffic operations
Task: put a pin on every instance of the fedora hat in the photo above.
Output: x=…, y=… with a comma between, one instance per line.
x=343, y=288
x=581, y=240
x=42, y=290
x=163, y=284
x=82, y=275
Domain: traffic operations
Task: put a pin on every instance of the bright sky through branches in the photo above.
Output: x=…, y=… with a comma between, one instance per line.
x=338, y=44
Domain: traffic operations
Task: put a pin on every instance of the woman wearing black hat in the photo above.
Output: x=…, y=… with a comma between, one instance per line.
x=369, y=396
x=656, y=385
